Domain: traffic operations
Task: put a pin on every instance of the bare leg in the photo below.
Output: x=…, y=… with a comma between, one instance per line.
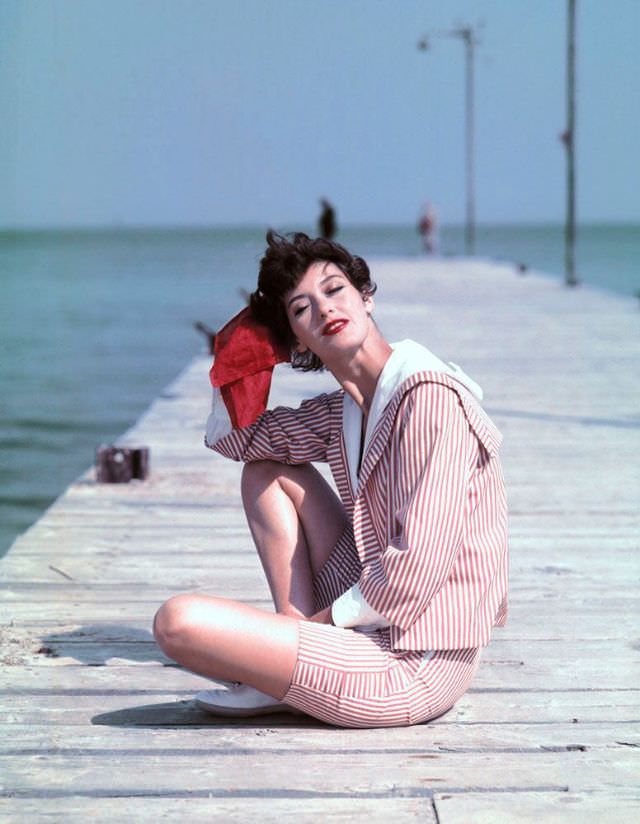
x=295, y=519
x=227, y=640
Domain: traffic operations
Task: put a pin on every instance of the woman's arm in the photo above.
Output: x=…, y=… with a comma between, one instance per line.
x=291, y=436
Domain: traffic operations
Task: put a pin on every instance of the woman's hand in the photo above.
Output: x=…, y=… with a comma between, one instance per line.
x=322, y=617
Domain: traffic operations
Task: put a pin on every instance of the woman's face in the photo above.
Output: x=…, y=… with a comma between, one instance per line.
x=327, y=314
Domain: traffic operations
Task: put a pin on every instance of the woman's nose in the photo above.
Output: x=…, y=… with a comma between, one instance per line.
x=324, y=307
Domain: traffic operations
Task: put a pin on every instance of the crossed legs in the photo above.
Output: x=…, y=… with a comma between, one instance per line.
x=295, y=519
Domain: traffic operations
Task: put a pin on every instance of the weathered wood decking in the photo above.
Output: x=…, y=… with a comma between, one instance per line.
x=97, y=726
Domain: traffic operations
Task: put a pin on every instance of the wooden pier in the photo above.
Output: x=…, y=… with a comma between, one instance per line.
x=97, y=725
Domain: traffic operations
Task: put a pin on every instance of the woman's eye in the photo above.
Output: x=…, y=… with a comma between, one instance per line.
x=335, y=289
x=298, y=311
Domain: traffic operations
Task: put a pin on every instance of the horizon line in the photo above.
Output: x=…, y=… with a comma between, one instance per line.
x=285, y=227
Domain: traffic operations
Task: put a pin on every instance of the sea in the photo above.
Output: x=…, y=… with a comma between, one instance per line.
x=94, y=323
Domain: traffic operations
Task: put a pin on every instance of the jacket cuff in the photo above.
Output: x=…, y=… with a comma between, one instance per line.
x=218, y=422
x=351, y=610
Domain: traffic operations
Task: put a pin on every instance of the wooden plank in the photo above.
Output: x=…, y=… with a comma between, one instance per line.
x=137, y=700
x=316, y=771
x=507, y=662
x=534, y=808
x=446, y=734
x=118, y=562
x=503, y=649
x=513, y=673
x=68, y=639
x=271, y=808
x=40, y=607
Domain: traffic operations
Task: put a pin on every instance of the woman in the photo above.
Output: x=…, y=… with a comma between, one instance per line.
x=385, y=596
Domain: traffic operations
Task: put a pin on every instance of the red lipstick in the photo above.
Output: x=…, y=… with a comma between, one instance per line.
x=334, y=326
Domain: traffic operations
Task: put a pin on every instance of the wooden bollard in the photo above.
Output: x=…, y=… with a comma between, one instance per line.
x=121, y=464
x=208, y=333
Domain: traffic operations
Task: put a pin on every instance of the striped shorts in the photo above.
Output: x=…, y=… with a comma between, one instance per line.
x=352, y=677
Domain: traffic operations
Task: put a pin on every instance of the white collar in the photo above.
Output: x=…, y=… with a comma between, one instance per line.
x=407, y=358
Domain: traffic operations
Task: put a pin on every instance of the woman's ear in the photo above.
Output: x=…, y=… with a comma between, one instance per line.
x=299, y=348
x=369, y=305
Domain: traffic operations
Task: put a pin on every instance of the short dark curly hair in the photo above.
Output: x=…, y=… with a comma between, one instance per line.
x=285, y=261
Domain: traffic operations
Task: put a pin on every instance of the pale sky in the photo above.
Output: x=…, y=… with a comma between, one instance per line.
x=181, y=112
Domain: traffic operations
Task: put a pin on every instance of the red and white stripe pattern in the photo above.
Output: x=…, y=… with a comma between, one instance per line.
x=429, y=514
x=353, y=679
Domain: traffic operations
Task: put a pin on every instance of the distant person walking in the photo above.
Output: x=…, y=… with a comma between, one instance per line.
x=428, y=228
x=327, y=226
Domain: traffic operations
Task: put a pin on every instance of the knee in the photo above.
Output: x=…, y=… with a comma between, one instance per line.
x=175, y=622
x=258, y=477
x=259, y=473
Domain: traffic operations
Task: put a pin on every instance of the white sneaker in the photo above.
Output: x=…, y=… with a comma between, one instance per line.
x=240, y=701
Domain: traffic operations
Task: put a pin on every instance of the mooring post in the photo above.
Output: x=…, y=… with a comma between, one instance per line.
x=209, y=334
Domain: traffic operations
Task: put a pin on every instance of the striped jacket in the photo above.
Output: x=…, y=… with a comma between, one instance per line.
x=429, y=513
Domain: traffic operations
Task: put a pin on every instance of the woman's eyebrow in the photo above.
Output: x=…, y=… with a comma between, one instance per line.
x=321, y=283
x=295, y=297
x=332, y=275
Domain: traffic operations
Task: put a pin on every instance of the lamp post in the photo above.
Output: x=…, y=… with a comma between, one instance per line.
x=569, y=140
x=468, y=36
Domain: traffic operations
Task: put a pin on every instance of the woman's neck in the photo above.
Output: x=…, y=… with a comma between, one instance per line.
x=359, y=376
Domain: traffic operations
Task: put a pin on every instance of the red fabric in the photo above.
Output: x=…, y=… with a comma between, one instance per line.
x=245, y=354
